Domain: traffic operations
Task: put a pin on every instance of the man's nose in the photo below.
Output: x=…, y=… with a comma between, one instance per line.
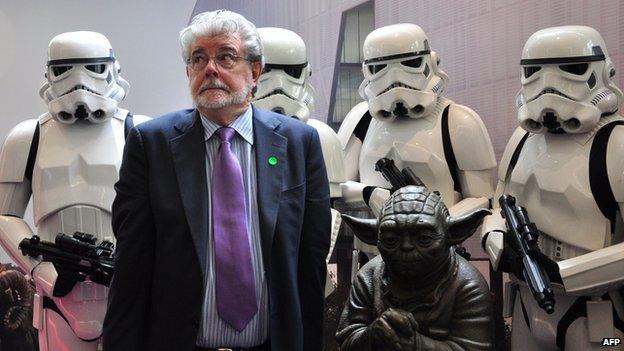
x=211, y=69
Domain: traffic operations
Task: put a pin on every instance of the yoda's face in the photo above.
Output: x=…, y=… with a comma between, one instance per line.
x=413, y=246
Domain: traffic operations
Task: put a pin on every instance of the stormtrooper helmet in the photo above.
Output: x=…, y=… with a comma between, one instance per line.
x=83, y=81
x=567, y=81
x=401, y=74
x=284, y=85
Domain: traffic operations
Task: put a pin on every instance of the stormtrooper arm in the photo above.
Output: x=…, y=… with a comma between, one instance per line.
x=468, y=205
x=493, y=229
x=594, y=272
x=475, y=159
x=351, y=136
x=600, y=270
x=333, y=156
x=373, y=196
x=15, y=192
x=492, y=233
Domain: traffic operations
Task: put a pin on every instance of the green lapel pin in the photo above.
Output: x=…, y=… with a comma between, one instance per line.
x=272, y=160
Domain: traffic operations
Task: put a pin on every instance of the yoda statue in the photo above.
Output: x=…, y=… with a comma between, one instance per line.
x=418, y=294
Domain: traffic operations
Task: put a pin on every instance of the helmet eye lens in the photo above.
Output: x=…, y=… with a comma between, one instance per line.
x=294, y=72
x=529, y=71
x=576, y=68
x=96, y=68
x=375, y=68
x=414, y=63
x=58, y=70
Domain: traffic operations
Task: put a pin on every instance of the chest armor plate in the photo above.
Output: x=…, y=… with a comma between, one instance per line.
x=414, y=143
x=551, y=179
x=76, y=165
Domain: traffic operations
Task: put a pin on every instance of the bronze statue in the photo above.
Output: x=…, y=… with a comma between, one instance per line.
x=418, y=294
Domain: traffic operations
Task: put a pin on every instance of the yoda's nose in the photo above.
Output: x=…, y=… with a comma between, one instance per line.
x=406, y=244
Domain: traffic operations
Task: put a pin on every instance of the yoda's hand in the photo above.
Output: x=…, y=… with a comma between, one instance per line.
x=394, y=330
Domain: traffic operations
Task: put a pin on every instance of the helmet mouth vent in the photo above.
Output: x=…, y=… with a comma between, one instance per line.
x=551, y=122
x=81, y=112
x=99, y=114
x=572, y=124
x=418, y=109
x=399, y=109
x=65, y=116
x=533, y=125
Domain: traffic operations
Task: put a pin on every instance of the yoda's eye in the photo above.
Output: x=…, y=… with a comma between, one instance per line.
x=425, y=240
x=390, y=241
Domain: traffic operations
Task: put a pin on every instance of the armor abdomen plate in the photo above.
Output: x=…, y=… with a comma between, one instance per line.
x=414, y=143
x=76, y=168
x=551, y=179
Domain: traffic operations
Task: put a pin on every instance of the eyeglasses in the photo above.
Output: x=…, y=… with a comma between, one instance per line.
x=226, y=60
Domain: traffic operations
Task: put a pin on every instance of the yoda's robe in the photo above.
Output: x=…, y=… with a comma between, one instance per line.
x=453, y=314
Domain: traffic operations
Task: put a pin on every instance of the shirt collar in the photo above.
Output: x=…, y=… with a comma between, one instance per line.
x=243, y=125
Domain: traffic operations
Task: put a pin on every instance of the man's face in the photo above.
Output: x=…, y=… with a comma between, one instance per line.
x=216, y=87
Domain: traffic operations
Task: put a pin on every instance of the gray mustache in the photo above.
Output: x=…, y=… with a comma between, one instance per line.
x=213, y=85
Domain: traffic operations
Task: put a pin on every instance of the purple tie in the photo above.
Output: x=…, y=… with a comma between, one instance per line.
x=236, y=290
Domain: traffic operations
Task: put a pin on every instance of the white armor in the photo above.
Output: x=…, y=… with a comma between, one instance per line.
x=566, y=102
x=284, y=87
x=403, y=89
x=68, y=160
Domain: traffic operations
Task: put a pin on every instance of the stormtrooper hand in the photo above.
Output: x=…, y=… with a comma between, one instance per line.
x=352, y=191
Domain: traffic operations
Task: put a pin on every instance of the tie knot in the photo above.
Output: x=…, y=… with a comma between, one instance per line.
x=225, y=134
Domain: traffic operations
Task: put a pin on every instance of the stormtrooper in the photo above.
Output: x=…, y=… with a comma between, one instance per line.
x=68, y=161
x=406, y=118
x=284, y=87
x=564, y=165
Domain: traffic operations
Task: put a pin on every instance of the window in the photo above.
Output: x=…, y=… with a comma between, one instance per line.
x=355, y=25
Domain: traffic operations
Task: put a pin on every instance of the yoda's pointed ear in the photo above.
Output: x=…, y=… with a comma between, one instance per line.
x=364, y=229
x=461, y=228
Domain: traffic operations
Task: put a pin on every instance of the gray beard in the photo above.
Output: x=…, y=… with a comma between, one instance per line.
x=234, y=99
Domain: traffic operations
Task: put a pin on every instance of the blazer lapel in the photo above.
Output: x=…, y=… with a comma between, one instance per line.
x=189, y=160
x=269, y=145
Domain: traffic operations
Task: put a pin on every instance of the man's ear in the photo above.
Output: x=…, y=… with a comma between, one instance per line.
x=364, y=229
x=461, y=228
x=256, y=70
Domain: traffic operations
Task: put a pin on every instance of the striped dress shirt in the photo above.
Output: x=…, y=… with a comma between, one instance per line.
x=214, y=332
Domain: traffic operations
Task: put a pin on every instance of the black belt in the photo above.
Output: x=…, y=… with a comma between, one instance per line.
x=264, y=347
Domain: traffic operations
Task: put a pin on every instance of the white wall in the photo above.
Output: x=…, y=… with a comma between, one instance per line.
x=144, y=36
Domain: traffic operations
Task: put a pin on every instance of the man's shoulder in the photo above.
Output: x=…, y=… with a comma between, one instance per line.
x=164, y=123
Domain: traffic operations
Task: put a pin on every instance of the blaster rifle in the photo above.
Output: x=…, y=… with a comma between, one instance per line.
x=396, y=178
x=523, y=235
x=75, y=258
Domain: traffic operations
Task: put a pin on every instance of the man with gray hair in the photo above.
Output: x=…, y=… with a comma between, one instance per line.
x=222, y=213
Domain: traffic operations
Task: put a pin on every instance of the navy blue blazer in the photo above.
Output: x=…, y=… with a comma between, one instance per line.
x=160, y=222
